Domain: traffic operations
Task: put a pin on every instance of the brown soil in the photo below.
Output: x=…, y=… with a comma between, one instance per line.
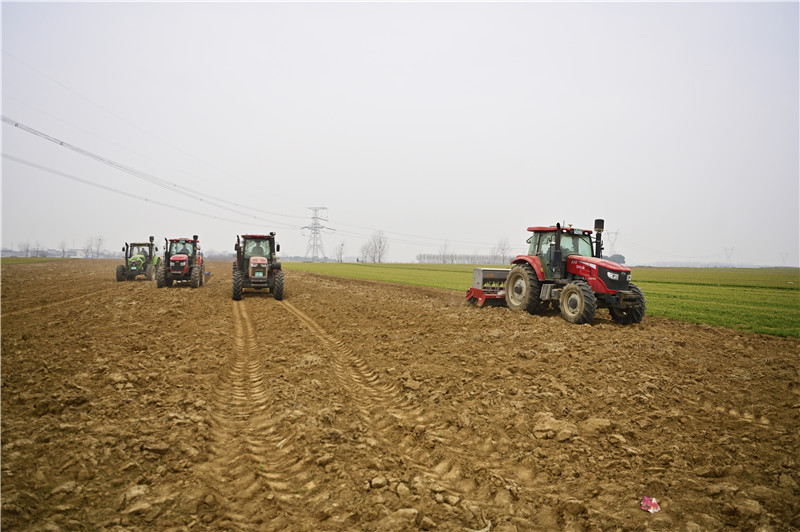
x=364, y=406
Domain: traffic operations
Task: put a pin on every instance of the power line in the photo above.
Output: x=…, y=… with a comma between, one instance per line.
x=117, y=191
x=174, y=187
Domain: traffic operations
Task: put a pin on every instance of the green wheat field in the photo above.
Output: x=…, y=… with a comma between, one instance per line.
x=759, y=300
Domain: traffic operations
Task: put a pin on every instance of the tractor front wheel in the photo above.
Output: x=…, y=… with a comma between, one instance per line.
x=237, y=285
x=577, y=303
x=632, y=314
x=196, y=274
x=523, y=289
x=120, y=273
x=277, y=289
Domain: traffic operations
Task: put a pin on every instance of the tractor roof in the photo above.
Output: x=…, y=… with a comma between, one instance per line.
x=140, y=243
x=553, y=229
x=186, y=239
x=256, y=237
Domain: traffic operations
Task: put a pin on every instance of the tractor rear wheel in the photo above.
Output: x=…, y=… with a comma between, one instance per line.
x=237, y=285
x=523, y=289
x=196, y=274
x=149, y=272
x=120, y=273
x=632, y=314
x=277, y=289
x=577, y=303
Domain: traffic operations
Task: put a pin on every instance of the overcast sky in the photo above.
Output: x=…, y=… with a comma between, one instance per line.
x=440, y=124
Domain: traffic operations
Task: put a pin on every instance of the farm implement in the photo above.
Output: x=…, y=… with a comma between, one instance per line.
x=564, y=268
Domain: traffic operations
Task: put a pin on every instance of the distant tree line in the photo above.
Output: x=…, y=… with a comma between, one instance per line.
x=500, y=254
x=462, y=258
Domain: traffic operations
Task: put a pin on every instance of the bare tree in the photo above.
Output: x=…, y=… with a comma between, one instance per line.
x=502, y=251
x=37, y=248
x=444, y=253
x=379, y=246
x=88, y=247
x=340, y=252
x=25, y=247
x=98, y=245
x=366, y=251
x=63, y=247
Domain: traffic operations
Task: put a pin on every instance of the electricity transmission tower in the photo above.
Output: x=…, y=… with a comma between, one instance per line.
x=612, y=238
x=315, y=238
x=728, y=253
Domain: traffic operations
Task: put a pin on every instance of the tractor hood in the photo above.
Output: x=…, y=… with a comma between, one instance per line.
x=183, y=256
x=258, y=261
x=594, y=262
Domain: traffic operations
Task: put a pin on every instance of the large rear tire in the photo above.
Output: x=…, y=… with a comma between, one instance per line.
x=237, y=285
x=149, y=272
x=277, y=290
x=632, y=314
x=194, y=280
x=120, y=273
x=523, y=289
x=161, y=276
x=577, y=303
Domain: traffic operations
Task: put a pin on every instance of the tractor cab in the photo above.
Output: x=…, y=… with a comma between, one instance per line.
x=545, y=241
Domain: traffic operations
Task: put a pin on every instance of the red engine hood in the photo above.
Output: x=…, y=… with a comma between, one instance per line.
x=180, y=256
x=258, y=261
x=599, y=262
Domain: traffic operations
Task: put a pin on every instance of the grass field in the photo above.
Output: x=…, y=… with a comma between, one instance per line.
x=761, y=300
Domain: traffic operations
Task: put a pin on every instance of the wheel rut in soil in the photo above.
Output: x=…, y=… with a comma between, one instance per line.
x=425, y=444
x=256, y=462
x=28, y=310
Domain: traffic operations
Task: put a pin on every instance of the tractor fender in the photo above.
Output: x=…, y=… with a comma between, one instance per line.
x=533, y=261
x=275, y=266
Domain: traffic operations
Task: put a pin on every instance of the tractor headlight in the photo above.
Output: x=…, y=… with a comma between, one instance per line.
x=613, y=275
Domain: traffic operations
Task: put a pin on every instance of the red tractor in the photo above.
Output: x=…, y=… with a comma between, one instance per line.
x=183, y=263
x=256, y=265
x=564, y=267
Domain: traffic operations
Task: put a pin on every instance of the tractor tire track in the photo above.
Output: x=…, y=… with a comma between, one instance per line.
x=385, y=410
x=257, y=462
x=54, y=303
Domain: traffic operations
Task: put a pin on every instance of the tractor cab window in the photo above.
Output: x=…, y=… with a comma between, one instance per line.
x=547, y=242
x=576, y=245
x=140, y=251
x=184, y=248
x=256, y=248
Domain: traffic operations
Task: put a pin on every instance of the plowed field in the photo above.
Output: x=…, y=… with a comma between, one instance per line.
x=356, y=405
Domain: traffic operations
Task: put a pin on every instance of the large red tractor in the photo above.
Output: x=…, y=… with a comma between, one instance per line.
x=256, y=265
x=564, y=267
x=183, y=263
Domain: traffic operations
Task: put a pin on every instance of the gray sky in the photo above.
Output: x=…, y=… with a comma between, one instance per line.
x=457, y=123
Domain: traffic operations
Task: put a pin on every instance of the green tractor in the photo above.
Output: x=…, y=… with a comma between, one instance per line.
x=140, y=259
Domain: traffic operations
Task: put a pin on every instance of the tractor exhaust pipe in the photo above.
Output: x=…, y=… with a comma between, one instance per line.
x=557, y=255
x=598, y=241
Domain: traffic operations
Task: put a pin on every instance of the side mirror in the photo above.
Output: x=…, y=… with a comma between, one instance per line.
x=277, y=247
x=123, y=248
x=156, y=249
